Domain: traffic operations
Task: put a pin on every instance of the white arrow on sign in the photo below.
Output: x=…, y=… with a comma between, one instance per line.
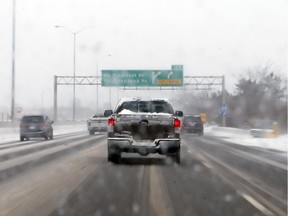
x=171, y=73
x=154, y=76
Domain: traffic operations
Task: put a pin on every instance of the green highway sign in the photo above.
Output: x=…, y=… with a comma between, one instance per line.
x=177, y=67
x=142, y=78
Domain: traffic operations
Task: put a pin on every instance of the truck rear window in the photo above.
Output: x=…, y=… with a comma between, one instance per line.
x=146, y=107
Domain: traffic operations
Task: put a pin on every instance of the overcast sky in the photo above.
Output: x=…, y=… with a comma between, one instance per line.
x=223, y=37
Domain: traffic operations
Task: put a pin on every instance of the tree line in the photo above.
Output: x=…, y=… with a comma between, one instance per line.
x=258, y=101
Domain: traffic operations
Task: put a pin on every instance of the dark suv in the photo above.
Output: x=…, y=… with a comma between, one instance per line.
x=192, y=124
x=36, y=126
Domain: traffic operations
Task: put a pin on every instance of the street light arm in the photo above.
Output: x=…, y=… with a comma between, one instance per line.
x=56, y=26
x=83, y=29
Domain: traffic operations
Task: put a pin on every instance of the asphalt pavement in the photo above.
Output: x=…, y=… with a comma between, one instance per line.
x=70, y=175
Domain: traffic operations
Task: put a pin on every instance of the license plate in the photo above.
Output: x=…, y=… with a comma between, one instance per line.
x=32, y=127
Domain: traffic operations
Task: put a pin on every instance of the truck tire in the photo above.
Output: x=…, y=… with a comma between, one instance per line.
x=51, y=135
x=114, y=156
x=176, y=157
x=46, y=136
x=22, y=138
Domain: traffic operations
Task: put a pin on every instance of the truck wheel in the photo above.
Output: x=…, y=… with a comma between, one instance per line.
x=114, y=156
x=176, y=157
x=46, y=137
x=51, y=135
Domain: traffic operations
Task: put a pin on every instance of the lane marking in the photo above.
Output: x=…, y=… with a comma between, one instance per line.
x=245, y=178
x=161, y=203
x=17, y=161
x=249, y=155
x=255, y=203
x=206, y=165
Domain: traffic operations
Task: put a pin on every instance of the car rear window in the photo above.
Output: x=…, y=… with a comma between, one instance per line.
x=32, y=119
x=192, y=119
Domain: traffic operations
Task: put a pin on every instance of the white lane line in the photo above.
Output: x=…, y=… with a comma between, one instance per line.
x=250, y=156
x=159, y=197
x=41, y=153
x=207, y=165
x=33, y=144
x=255, y=203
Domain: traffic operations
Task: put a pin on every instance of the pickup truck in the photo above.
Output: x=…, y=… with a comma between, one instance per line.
x=143, y=127
x=97, y=123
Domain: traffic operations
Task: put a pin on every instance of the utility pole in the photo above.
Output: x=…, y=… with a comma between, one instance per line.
x=74, y=60
x=224, y=106
x=13, y=63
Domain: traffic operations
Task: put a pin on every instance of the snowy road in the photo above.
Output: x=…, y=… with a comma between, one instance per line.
x=70, y=175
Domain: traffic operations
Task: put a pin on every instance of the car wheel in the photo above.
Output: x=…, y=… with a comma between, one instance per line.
x=22, y=138
x=91, y=132
x=51, y=135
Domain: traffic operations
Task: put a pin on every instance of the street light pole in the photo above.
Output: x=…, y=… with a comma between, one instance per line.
x=74, y=71
x=97, y=89
x=97, y=78
x=74, y=61
x=13, y=64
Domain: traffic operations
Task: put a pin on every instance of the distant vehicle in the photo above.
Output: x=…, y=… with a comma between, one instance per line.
x=97, y=123
x=192, y=124
x=32, y=126
x=143, y=127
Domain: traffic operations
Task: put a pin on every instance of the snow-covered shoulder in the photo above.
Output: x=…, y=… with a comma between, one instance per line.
x=243, y=137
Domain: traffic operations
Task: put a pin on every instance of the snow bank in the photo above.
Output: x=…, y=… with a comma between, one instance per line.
x=12, y=133
x=243, y=137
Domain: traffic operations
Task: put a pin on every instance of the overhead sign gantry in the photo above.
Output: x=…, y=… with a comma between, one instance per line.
x=143, y=80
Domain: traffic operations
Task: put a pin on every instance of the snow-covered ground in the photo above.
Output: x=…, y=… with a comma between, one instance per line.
x=234, y=135
x=12, y=133
x=243, y=137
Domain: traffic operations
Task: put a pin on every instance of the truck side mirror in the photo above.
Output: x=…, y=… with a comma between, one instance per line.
x=179, y=113
x=107, y=113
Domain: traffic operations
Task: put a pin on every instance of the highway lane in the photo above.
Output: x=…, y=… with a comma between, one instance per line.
x=70, y=175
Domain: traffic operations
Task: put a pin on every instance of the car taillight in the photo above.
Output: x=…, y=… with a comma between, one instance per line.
x=43, y=125
x=111, y=121
x=177, y=123
x=21, y=125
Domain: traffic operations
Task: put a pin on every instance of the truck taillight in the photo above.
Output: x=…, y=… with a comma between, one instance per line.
x=111, y=121
x=177, y=123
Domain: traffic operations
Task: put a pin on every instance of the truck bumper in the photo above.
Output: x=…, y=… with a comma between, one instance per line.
x=161, y=146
